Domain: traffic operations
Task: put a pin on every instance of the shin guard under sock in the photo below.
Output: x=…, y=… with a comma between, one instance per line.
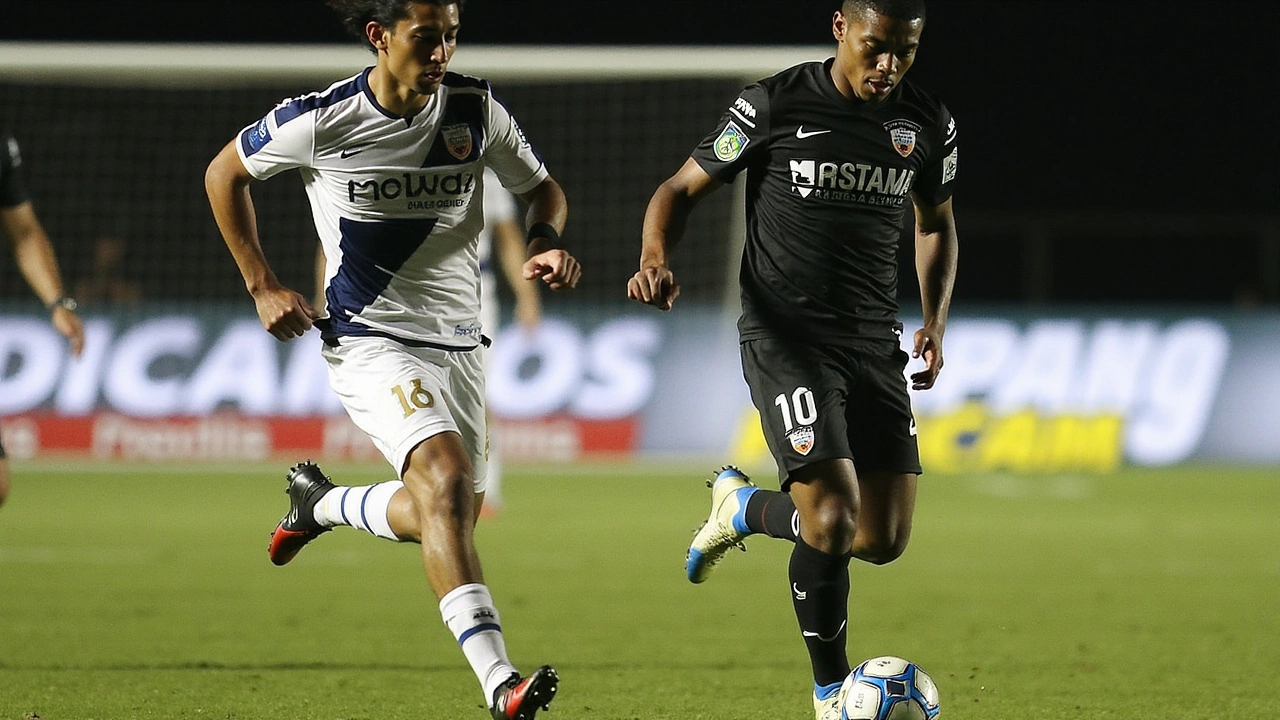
x=820, y=595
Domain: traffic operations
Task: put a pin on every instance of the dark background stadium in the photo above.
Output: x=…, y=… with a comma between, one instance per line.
x=1158, y=119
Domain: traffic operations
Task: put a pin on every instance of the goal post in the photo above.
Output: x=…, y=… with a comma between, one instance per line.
x=238, y=64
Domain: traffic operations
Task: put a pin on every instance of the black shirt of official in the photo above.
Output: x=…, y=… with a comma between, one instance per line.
x=12, y=191
x=829, y=181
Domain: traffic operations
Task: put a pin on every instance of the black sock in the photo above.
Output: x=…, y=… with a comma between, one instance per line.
x=820, y=595
x=772, y=513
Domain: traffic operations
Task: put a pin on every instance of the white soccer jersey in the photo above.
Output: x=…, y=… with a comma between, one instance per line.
x=392, y=200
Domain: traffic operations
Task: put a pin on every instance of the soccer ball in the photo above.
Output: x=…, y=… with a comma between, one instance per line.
x=889, y=688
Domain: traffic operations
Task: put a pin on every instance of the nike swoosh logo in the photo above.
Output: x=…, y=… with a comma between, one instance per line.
x=834, y=635
x=348, y=152
x=800, y=133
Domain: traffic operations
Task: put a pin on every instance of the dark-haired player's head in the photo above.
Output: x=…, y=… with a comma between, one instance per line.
x=877, y=43
x=357, y=14
x=896, y=9
x=413, y=39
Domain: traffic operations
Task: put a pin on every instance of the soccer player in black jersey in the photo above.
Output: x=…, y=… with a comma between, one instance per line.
x=833, y=152
x=35, y=257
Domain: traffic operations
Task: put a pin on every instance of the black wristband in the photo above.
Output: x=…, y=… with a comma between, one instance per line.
x=65, y=302
x=543, y=230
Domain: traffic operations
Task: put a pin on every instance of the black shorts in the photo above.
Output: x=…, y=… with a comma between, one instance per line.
x=819, y=402
x=1, y=449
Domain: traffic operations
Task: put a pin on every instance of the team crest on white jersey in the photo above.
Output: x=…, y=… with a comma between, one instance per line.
x=802, y=439
x=457, y=139
x=902, y=133
x=731, y=142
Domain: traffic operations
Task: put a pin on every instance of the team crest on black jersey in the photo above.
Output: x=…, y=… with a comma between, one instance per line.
x=903, y=135
x=801, y=439
x=457, y=140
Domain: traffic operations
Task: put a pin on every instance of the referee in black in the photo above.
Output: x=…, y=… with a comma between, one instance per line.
x=35, y=258
x=833, y=152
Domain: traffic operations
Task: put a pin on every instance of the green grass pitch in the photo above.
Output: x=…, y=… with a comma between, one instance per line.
x=145, y=592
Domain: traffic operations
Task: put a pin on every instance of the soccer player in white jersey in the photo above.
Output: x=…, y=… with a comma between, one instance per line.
x=502, y=243
x=391, y=160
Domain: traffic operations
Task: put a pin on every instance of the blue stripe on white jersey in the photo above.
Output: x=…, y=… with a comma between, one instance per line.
x=371, y=254
x=335, y=94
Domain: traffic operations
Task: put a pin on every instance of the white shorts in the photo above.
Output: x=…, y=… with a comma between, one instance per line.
x=400, y=396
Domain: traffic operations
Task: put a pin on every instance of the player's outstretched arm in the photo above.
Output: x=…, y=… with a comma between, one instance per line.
x=937, y=253
x=39, y=265
x=664, y=223
x=284, y=313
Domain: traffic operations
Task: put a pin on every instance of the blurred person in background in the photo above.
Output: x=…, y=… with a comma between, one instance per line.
x=402, y=334
x=36, y=260
x=106, y=283
x=502, y=241
x=833, y=152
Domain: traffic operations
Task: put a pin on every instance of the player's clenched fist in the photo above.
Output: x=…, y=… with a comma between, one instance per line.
x=654, y=286
x=284, y=313
x=557, y=268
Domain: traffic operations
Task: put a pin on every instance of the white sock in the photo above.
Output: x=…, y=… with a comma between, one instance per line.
x=469, y=614
x=363, y=507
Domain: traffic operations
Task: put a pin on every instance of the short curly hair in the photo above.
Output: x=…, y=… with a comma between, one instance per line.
x=357, y=14
x=897, y=9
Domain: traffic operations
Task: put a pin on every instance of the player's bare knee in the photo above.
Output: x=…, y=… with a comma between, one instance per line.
x=441, y=487
x=446, y=497
x=881, y=550
x=830, y=528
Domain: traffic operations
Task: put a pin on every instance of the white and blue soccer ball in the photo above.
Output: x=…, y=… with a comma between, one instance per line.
x=889, y=688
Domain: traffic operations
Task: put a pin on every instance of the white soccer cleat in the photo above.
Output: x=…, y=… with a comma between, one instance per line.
x=829, y=708
x=725, y=528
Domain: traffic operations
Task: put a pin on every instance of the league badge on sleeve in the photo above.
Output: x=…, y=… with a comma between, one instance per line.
x=902, y=133
x=731, y=142
x=949, y=165
x=255, y=138
x=15, y=157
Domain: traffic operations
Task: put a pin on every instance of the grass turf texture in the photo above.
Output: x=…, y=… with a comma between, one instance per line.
x=145, y=592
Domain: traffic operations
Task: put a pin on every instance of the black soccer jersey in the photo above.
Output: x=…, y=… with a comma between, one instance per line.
x=829, y=180
x=12, y=191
